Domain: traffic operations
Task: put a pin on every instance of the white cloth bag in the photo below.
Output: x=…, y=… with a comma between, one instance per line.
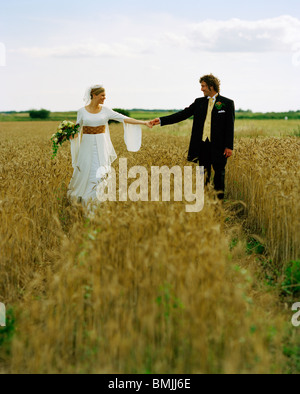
x=133, y=137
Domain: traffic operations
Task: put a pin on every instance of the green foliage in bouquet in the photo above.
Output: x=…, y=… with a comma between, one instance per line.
x=65, y=131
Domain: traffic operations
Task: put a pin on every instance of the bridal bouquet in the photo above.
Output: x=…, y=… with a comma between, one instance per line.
x=65, y=131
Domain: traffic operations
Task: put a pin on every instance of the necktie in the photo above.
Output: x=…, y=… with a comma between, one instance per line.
x=207, y=124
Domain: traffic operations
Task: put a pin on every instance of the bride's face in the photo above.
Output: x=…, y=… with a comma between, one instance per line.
x=100, y=98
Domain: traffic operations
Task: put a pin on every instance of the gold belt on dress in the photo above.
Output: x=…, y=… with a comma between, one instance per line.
x=93, y=130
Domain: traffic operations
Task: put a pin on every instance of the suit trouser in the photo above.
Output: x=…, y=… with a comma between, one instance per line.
x=207, y=160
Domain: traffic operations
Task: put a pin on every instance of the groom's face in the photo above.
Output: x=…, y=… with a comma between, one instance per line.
x=205, y=89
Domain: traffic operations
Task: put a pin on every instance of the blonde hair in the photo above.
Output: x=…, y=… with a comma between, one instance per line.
x=97, y=91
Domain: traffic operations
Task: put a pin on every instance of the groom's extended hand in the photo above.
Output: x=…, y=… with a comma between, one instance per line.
x=155, y=122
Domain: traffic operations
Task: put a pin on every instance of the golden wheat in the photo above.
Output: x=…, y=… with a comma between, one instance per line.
x=265, y=174
x=143, y=288
x=244, y=128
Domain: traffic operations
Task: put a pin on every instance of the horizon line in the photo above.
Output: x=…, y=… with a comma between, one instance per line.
x=240, y=110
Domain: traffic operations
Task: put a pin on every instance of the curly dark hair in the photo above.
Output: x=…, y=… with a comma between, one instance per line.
x=211, y=81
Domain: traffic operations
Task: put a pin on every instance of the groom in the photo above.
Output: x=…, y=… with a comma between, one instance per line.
x=213, y=130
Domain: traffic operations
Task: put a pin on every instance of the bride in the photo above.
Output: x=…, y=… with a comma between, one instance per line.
x=92, y=150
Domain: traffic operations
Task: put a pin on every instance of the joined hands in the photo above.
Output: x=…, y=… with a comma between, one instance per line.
x=148, y=124
x=155, y=122
x=152, y=123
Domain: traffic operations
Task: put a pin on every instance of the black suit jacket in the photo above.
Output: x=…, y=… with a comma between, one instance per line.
x=222, y=126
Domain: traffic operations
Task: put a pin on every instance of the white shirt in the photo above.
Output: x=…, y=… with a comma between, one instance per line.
x=214, y=98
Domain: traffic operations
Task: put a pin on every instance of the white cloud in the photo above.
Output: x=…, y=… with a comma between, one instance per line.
x=236, y=35
x=157, y=62
x=81, y=50
x=130, y=47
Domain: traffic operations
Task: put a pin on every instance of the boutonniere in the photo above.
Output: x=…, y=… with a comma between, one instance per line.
x=220, y=105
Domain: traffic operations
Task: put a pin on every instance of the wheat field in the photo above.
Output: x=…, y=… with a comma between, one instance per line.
x=143, y=287
x=265, y=174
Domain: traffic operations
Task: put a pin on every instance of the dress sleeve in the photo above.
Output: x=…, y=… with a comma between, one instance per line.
x=75, y=143
x=79, y=118
x=113, y=115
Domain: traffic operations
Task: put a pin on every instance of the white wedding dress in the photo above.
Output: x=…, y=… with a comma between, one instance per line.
x=93, y=154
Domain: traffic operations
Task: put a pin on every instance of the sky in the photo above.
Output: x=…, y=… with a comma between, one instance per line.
x=149, y=54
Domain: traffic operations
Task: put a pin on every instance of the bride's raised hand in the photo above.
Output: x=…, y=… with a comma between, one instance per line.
x=149, y=124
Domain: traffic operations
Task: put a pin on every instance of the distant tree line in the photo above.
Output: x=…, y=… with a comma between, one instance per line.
x=41, y=114
x=241, y=114
x=14, y=112
x=154, y=110
x=242, y=111
x=44, y=114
